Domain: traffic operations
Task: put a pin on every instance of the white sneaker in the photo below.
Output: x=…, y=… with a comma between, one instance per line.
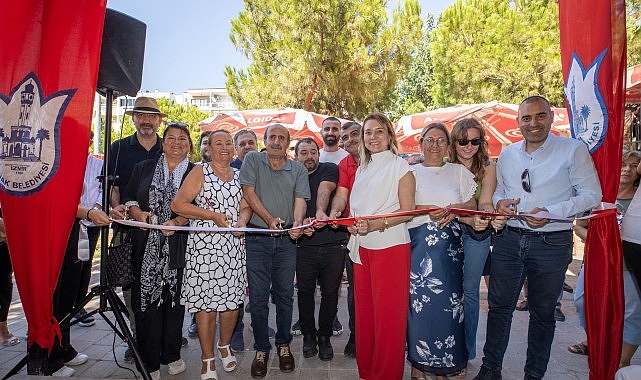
x=176, y=367
x=78, y=360
x=155, y=375
x=64, y=372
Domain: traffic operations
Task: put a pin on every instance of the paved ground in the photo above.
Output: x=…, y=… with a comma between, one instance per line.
x=103, y=348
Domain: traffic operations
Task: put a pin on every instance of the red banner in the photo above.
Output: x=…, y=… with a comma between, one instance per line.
x=593, y=51
x=50, y=55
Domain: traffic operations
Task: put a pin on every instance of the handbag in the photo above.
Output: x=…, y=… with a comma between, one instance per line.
x=120, y=272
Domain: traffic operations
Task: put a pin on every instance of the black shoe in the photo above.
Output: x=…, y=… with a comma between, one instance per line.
x=529, y=377
x=337, y=328
x=488, y=374
x=558, y=315
x=309, y=346
x=296, y=328
x=84, y=319
x=350, y=347
x=567, y=288
x=184, y=342
x=129, y=356
x=325, y=350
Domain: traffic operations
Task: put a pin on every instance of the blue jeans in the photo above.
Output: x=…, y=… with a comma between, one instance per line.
x=476, y=253
x=544, y=259
x=271, y=262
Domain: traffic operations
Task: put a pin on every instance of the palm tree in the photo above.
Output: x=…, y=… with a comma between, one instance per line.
x=43, y=134
x=585, y=113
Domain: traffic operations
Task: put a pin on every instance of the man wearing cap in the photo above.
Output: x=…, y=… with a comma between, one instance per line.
x=144, y=144
x=125, y=153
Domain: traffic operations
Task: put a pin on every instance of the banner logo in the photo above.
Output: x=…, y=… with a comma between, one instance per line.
x=30, y=136
x=588, y=114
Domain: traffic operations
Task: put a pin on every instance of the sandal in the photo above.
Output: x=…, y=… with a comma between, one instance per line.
x=211, y=373
x=8, y=339
x=227, y=360
x=579, y=348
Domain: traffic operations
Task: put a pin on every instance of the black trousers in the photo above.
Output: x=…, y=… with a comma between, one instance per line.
x=158, y=330
x=325, y=263
x=6, y=283
x=632, y=257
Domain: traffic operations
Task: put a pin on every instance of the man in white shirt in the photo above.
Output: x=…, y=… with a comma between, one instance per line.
x=331, y=133
x=545, y=173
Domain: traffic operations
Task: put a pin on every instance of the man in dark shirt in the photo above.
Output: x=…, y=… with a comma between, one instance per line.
x=244, y=141
x=125, y=153
x=320, y=255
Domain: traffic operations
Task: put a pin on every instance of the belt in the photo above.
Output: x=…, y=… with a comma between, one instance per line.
x=525, y=231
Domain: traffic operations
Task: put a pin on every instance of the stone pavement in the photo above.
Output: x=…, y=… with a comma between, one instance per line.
x=106, y=351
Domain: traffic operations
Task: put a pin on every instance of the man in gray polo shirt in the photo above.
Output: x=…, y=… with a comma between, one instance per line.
x=277, y=189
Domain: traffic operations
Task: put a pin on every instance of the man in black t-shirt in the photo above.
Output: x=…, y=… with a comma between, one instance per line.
x=320, y=255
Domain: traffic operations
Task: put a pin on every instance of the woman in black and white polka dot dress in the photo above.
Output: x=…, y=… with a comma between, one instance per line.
x=215, y=275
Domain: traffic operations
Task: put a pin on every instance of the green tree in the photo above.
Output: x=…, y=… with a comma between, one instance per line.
x=338, y=57
x=633, y=26
x=412, y=93
x=485, y=50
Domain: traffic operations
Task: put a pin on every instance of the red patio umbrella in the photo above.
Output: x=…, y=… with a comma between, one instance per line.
x=498, y=119
x=633, y=84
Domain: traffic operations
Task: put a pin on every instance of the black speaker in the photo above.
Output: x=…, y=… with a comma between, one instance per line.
x=122, y=54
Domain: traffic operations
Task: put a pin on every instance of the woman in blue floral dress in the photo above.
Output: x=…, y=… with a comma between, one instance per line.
x=435, y=331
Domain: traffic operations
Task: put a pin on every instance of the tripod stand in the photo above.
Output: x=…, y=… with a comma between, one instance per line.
x=109, y=300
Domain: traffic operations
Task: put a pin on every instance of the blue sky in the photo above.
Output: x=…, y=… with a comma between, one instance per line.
x=188, y=45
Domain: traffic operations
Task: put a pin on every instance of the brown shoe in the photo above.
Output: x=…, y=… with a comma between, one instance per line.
x=285, y=358
x=259, y=365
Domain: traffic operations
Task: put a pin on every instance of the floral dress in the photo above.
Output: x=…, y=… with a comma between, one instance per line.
x=435, y=329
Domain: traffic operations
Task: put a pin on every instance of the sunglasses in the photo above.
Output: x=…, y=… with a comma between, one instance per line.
x=525, y=180
x=475, y=142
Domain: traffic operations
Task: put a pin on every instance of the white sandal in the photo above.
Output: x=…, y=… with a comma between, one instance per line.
x=230, y=358
x=210, y=374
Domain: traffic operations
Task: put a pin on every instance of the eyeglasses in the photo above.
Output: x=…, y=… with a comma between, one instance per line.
x=476, y=142
x=441, y=141
x=525, y=180
x=144, y=115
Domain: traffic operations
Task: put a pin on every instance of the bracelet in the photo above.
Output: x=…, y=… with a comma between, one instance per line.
x=87, y=216
x=385, y=225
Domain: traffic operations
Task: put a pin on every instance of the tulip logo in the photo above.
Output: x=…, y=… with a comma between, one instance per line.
x=30, y=136
x=588, y=115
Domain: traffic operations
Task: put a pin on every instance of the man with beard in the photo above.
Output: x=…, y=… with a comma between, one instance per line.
x=125, y=153
x=321, y=255
x=331, y=132
x=351, y=138
x=276, y=189
x=244, y=141
x=203, y=143
x=542, y=173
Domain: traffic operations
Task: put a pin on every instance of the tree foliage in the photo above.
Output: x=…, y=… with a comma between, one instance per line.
x=412, y=92
x=338, y=57
x=187, y=114
x=485, y=50
x=633, y=26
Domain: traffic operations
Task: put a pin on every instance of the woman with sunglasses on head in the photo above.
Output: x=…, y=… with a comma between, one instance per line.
x=158, y=256
x=435, y=330
x=469, y=148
